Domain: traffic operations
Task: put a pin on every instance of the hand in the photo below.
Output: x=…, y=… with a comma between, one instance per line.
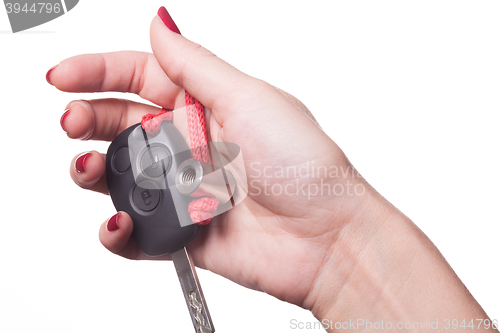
x=317, y=249
x=267, y=241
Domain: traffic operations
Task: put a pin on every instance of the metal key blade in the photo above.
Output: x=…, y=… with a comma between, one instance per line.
x=192, y=292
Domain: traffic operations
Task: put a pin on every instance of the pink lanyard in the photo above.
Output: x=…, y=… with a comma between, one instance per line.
x=201, y=209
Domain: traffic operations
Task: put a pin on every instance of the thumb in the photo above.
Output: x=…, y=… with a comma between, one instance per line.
x=206, y=77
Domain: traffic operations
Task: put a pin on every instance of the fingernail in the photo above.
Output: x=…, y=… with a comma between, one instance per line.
x=167, y=20
x=80, y=163
x=65, y=114
x=112, y=224
x=47, y=76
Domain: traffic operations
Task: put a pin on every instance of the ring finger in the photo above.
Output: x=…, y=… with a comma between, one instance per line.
x=88, y=171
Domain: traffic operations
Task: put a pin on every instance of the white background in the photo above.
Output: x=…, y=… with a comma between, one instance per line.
x=409, y=90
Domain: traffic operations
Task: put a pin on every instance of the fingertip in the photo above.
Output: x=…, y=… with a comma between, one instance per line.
x=78, y=120
x=62, y=121
x=167, y=20
x=112, y=224
x=81, y=162
x=87, y=169
x=190, y=66
x=81, y=73
x=47, y=76
x=114, y=234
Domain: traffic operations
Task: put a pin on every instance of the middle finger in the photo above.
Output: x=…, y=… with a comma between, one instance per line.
x=102, y=119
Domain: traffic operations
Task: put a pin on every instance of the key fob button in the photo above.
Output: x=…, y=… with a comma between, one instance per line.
x=146, y=196
x=156, y=161
x=121, y=160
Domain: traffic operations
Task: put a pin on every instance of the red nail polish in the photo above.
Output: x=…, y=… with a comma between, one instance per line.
x=66, y=112
x=112, y=224
x=167, y=20
x=47, y=76
x=80, y=163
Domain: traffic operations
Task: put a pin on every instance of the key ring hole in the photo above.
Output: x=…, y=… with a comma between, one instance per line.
x=188, y=176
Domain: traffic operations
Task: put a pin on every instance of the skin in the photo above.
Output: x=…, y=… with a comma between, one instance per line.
x=340, y=256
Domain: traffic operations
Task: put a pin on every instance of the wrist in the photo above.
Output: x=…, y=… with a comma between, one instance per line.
x=348, y=271
x=382, y=267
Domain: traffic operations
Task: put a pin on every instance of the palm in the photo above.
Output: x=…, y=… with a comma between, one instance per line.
x=254, y=243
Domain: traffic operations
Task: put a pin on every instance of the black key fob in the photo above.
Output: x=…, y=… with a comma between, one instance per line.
x=140, y=172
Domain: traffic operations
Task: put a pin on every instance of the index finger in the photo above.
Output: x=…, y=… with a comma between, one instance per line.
x=126, y=71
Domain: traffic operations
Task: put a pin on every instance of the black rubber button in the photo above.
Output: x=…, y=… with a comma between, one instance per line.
x=121, y=160
x=156, y=161
x=146, y=195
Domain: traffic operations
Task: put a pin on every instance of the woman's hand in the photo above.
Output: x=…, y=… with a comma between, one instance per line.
x=274, y=243
x=311, y=231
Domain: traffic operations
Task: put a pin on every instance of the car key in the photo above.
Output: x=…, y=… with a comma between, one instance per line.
x=141, y=171
x=192, y=292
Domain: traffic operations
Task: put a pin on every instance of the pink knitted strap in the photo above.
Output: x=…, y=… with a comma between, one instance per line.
x=151, y=122
x=197, y=128
x=201, y=209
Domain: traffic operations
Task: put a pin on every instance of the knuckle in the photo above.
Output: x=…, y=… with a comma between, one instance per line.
x=138, y=73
